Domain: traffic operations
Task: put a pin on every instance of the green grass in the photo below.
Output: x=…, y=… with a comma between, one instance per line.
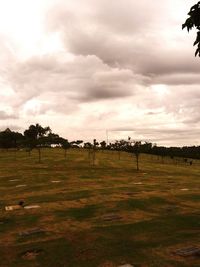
x=153, y=215
x=142, y=204
x=79, y=213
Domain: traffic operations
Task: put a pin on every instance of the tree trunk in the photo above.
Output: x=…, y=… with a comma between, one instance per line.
x=89, y=154
x=15, y=154
x=94, y=157
x=137, y=161
x=39, y=155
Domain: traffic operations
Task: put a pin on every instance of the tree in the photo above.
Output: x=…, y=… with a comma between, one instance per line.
x=65, y=145
x=76, y=144
x=103, y=145
x=10, y=139
x=194, y=22
x=35, y=137
x=136, y=150
x=95, y=144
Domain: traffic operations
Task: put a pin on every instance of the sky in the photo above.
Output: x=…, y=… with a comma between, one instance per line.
x=97, y=69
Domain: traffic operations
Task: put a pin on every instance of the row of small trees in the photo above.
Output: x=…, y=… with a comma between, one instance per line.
x=36, y=137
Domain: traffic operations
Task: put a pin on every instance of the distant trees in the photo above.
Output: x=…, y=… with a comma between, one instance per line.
x=76, y=144
x=37, y=137
x=10, y=139
x=193, y=21
x=103, y=144
x=92, y=150
x=134, y=147
x=87, y=145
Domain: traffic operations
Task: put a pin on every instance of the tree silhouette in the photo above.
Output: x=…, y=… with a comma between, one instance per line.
x=103, y=145
x=10, y=139
x=65, y=145
x=95, y=144
x=135, y=148
x=35, y=137
x=194, y=22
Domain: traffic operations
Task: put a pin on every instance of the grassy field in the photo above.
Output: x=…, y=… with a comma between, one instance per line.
x=105, y=215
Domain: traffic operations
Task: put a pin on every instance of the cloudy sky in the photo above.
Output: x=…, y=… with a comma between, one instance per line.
x=87, y=66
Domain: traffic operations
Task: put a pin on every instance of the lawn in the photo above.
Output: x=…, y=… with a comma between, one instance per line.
x=105, y=215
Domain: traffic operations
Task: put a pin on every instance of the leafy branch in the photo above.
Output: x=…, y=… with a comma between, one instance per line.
x=194, y=22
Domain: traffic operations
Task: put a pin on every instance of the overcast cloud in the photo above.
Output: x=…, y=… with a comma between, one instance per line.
x=84, y=67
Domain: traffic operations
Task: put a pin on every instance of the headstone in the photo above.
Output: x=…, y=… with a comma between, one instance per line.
x=111, y=217
x=31, y=254
x=31, y=232
x=31, y=207
x=184, y=189
x=13, y=207
x=189, y=251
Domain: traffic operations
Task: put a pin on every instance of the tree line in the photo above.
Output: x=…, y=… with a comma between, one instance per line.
x=36, y=137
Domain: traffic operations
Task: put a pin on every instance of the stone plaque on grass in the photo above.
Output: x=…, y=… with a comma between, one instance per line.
x=31, y=232
x=189, y=251
x=111, y=217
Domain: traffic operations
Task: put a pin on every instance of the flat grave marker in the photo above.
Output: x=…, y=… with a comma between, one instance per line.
x=32, y=232
x=111, y=217
x=31, y=207
x=189, y=251
x=185, y=189
x=56, y=181
x=14, y=180
x=13, y=207
x=21, y=185
x=31, y=254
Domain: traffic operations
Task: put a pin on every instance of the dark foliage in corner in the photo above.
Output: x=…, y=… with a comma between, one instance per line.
x=193, y=21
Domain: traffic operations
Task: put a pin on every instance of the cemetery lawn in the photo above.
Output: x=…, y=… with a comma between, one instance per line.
x=105, y=215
